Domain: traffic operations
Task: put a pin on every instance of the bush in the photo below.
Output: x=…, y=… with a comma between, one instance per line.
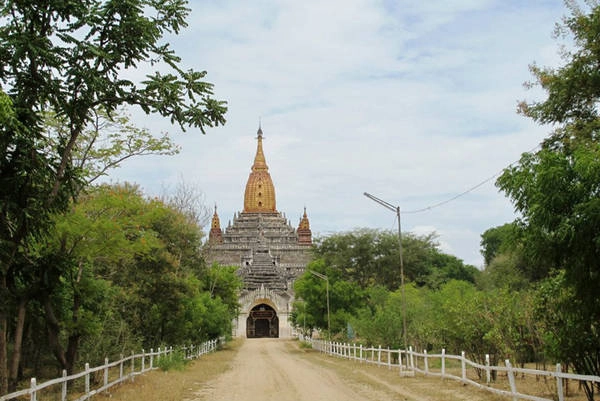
x=174, y=361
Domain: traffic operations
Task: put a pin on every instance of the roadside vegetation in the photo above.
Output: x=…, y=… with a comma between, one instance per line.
x=92, y=271
x=536, y=300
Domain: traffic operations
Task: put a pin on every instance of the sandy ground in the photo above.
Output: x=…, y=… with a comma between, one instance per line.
x=276, y=369
x=267, y=369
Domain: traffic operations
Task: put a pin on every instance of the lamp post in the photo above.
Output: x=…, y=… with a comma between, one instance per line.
x=396, y=209
x=324, y=277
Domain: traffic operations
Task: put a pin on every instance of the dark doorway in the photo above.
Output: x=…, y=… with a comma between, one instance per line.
x=262, y=322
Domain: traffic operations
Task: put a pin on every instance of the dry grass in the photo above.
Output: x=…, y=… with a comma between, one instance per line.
x=181, y=385
x=174, y=385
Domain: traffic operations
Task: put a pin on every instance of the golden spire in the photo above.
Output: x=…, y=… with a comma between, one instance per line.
x=304, y=233
x=259, y=196
x=260, y=163
x=215, y=234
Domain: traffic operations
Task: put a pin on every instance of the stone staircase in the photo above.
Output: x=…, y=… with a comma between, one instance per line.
x=263, y=270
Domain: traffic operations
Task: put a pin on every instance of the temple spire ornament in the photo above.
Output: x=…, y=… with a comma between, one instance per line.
x=304, y=233
x=215, y=235
x=259, y=196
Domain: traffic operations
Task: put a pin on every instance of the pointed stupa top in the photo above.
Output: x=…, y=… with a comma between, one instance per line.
x=216, y=223
x=304, y=223
x=259, y=196
x=304, y=233
x=215, y=234
x=259, y=160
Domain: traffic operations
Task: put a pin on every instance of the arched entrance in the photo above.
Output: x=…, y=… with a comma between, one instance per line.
x=262, y=322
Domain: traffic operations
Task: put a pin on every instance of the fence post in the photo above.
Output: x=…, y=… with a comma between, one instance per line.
x=426, y=363
x=121, y=368
x=389, y=359
x=132, y=366
x=488, y=375
x=400, y=360
x=151, y=358
x=511, y=380
x=559, y=383
x=87, y=379
x=443, y=362
x=32, y=387
x=379, y=356
x=463, y=367
x=360, y=353
x=412, y=359
x=143, y=360
x=105, y=374
x=63, y=393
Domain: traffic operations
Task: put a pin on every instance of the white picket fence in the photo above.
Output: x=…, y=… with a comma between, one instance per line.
x=129, y=367
x=409, y=362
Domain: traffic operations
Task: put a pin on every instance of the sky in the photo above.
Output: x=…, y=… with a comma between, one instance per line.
x=411, y=101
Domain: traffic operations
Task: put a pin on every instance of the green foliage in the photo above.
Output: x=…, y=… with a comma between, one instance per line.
x=106, y=141
x=371, y=258
x=73, y=58
x=311, y=312
x=570, y=335
x=506, y=270
x=497, y=240
x=556, y=189
x=174, y=361
x=127, y=273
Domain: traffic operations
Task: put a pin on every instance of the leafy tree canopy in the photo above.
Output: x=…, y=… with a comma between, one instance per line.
x=557, y=189
x=371, y=257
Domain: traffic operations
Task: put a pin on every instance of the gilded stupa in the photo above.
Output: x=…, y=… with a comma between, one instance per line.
x=269, y=252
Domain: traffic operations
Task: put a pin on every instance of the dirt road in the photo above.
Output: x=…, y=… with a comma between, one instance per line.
x=276, y=369
x=267, y=369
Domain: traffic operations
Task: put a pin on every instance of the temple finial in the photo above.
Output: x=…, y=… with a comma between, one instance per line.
x=259, y=133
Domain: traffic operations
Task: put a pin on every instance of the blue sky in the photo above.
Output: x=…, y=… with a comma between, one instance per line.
x=411, y=101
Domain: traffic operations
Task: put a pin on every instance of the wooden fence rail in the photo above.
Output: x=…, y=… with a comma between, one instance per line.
x=128, y=369
x=409, y=362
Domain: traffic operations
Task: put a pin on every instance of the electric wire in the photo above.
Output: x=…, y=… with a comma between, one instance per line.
x=425, y=209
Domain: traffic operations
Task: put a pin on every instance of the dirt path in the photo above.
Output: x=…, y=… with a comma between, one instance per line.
x=268, y=369
x=276, y=369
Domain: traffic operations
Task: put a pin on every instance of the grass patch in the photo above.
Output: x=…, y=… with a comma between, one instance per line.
x=305, y=345
x=175, y=361
x=175, y=385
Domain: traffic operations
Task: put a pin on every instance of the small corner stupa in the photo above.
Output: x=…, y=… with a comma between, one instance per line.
x=269, y=252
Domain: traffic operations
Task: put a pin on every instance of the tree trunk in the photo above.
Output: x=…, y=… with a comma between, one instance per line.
x=13, y=373
x=53, y=327
x=3, y=342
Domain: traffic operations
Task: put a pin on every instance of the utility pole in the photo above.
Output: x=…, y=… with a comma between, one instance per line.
x=396, y=209
x=324, y=277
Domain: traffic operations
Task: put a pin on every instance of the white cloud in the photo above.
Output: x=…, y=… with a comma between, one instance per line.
x=411, y=101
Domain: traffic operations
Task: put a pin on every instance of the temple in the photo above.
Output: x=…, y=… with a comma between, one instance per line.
x=269, y=252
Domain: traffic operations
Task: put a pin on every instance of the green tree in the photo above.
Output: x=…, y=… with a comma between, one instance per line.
x=106, y=141
x=129, y=266
x=556, y=189
x=497, y=240
x=71, y=57
x=380, y=323
x=371, y=257
x=345, y=298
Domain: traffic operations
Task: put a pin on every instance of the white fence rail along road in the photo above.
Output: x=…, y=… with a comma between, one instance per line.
x=409, y=362
x=128, y=368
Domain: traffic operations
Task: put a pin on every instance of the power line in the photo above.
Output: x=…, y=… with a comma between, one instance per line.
x=465, y=192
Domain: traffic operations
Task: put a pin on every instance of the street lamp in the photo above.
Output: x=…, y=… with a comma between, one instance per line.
x=324, y=277
x=396, y=209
